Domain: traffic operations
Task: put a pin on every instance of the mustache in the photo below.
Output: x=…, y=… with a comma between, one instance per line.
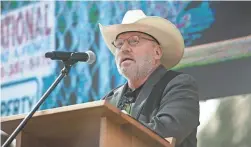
x=125, y=54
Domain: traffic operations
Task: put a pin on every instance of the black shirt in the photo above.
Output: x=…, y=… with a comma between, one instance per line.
x=128, y=98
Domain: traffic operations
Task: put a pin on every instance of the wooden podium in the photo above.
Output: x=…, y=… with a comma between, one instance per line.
x=92, y=124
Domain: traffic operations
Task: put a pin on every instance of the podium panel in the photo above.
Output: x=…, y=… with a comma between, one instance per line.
x=94, y=124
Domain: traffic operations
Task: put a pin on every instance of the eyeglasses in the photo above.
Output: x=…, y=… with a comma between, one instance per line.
x=132, y=41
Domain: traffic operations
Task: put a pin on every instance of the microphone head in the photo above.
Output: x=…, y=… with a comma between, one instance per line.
x=92, y=57
x=49, y=55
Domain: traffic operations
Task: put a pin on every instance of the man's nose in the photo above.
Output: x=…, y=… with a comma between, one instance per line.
x=125, y=47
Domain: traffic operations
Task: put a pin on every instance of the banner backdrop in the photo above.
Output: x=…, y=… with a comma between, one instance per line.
x=30, y=29
x=26, y=34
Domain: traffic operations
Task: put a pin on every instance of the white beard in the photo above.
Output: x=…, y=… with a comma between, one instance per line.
x=137, y=71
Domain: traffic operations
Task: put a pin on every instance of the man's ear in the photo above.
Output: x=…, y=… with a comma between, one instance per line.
x=158, y=52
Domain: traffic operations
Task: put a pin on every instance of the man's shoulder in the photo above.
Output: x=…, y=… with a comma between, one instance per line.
x=182, y=84
x=113, y=95
x=112, y=92
x=176, y=77
x=184, y=79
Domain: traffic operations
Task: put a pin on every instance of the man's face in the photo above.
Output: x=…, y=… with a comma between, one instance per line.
x=135, y=60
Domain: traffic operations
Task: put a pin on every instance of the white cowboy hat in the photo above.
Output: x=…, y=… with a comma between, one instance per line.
x=166, y=33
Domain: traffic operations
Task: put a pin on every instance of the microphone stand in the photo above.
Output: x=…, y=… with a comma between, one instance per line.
x=65, y=71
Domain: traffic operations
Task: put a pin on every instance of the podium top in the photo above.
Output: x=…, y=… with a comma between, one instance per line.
x=59, y=119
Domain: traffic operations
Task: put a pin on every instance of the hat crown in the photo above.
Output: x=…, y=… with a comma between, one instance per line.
x=132, y=16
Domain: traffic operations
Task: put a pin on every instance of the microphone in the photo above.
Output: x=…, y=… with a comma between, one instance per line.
x=88, y=56
x=69, y=59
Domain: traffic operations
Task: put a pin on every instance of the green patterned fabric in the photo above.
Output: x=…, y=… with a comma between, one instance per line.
x=128, y=108
x=129, y=93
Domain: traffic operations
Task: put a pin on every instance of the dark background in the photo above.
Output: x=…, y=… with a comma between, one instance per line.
x=233, y=77
x=232, y=20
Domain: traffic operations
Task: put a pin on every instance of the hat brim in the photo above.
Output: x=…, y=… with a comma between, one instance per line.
x=169, y=37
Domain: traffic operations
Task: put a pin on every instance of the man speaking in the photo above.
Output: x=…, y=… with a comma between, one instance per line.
x=167, y=102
